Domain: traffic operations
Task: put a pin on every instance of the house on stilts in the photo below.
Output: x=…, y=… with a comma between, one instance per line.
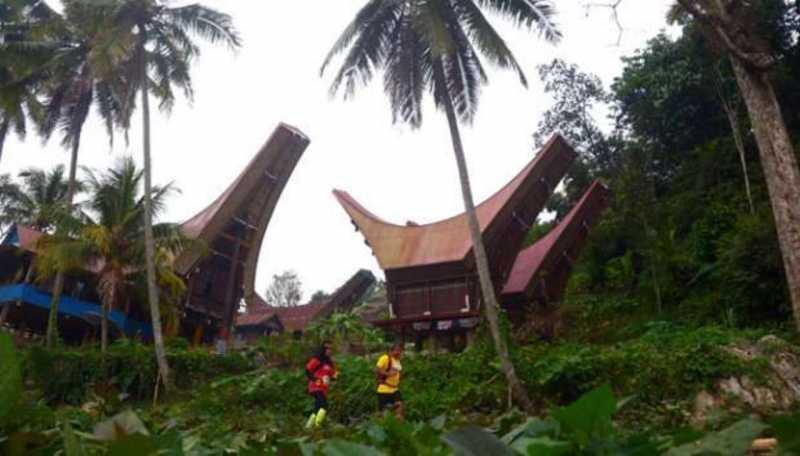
x=432, y=284
x=218, y=280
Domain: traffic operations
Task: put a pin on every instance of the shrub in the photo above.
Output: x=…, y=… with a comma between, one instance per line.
x=68, y=375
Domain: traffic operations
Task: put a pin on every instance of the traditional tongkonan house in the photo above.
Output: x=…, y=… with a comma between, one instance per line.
x=432, y=283
x=540, y=273
x=233, y=228
x=218, y=276
x=262, y=319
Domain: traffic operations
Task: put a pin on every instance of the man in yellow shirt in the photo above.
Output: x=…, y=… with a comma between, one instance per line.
x=387, y=371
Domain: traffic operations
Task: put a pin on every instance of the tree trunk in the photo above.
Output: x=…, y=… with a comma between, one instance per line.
x=58, y=286
x=52, y=319
x=736, y=132
x=73, y=172
x=104, y=329
x=780, y=169
x=149, y=243
x=487, y=289
x=3, y=132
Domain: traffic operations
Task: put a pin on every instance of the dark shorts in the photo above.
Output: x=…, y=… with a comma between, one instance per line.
x=320, y=400
x=389, y=400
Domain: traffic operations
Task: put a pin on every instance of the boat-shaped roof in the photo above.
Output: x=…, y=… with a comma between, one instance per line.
x=402, y=246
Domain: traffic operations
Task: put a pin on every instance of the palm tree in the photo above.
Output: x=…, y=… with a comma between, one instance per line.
x=34, y=201
x=110, y=237
x=71, y=60
x=18, y=88
x=162, y=53
x=436, y=46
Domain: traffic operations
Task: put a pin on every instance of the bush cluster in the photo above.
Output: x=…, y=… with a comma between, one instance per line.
x=128, y=368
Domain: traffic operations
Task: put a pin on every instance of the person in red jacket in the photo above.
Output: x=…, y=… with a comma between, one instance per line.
x=320, y=371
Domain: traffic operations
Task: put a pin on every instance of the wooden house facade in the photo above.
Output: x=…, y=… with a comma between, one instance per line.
x=431, y=279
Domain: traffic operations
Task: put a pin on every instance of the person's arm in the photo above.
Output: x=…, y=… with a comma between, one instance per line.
x=382, y=368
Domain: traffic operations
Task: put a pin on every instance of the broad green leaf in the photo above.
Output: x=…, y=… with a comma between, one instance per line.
x=474, y=441
x=438, y=422
x=642, y=445
x=541, y=446
x=376, y=433
x=590, y=416
x=787, y=430
x=133, y=445
x=10, y=377
x=733, y=440
x=533, y=427
x=344, y=448
x=119, y=426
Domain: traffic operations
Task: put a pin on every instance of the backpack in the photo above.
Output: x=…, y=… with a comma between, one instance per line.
x=380, y=378
x=310, y=374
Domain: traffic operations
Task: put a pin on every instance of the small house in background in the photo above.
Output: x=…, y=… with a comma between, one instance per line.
x=232, y=228
x=431, y=280
x=262, y=319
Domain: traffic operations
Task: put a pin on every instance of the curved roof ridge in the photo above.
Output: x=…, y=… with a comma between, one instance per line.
x=447, y=240
x=531, y=259
x=346, y=199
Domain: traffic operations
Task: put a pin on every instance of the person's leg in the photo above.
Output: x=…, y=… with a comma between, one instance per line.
x=313, y=417
x=321, y=404
x=399, y=411
x=386, y=403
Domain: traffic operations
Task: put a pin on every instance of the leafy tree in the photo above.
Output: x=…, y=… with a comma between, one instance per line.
x=35, y=199
x=319, y=296
x=436, y=46
x=577, y=96
x=741, y=30
x=159, y=49
x=18, y=89
x=68, y=59
x=345, y=328
x=286, y=290
x=110, y=239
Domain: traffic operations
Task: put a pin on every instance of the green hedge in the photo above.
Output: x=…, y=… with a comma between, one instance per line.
x=69, y=375
x=668, y=364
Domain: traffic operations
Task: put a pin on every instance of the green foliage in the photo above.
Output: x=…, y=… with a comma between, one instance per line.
x=68, y=375
x=584, y=427
x=10, y=378
x=346, y=330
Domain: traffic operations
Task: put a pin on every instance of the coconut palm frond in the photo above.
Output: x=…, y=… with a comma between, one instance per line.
x=369, y=39
x=207, y=23
x=535, y=15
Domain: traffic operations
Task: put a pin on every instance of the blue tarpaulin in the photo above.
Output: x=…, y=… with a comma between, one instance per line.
x=73, y=307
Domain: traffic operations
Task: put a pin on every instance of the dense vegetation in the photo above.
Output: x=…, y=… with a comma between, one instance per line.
x=256, y=400
x=684, y=265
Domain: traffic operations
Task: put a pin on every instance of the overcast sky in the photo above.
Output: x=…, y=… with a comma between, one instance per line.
x=397, y=173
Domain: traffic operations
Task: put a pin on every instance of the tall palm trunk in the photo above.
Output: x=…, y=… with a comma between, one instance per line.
x=149, y=243
x=781, y=171
x=3, y=132
x=58, y=286
x=487, y=289
x=107, y=300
